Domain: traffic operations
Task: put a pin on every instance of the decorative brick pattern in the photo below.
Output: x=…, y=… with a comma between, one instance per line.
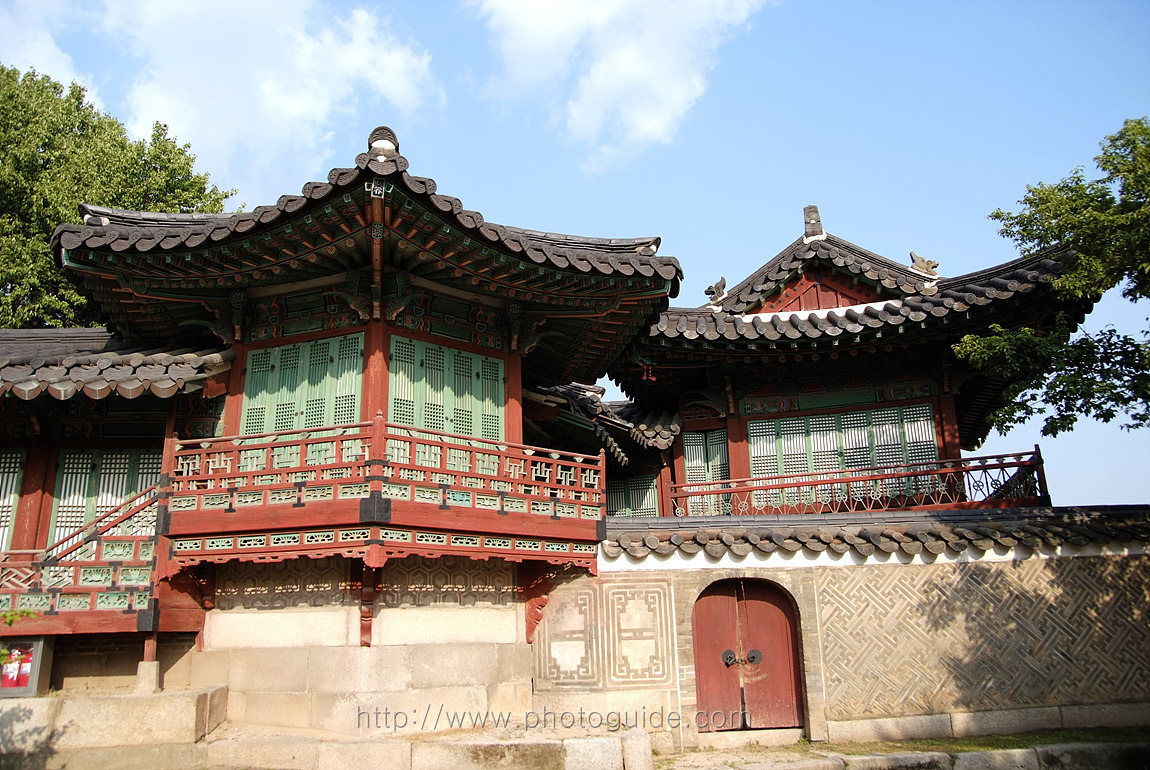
x=639, y=633
x=568, y=643
x=612, y=634
x=420, y=582
x=907, y=640
x=292, y=583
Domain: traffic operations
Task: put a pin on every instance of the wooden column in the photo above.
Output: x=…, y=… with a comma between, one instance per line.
x=513, y=397
x=34, y=490
x=738, y=453
x=664, y=484
x=375, y=350
x=234, y=400
x=950, y=445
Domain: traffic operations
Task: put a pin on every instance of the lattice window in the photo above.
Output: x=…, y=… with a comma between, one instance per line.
x=899, y=436
x=706, y=459
x=443, y=389
x=303, y=385
x=633, y=496
x=91, y=482
x=11, y=474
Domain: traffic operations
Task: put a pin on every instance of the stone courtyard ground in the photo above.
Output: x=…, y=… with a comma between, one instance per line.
x=1099, y=749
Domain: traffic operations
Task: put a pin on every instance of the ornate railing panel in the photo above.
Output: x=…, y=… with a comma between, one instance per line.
x=973, y=482
x=402, y=463
x=108, y=564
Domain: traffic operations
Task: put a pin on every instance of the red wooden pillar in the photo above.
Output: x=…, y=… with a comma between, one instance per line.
x=33, y=492
x=234, y=399
x=375, y=347
x=664, y=484
x=950, y=445
x=738, y=453
x=513, y=396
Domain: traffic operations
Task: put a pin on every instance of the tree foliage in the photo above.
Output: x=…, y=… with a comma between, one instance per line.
x=1104, y=225
x=57, y=151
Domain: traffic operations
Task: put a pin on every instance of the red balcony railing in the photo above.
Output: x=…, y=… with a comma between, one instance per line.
x=108, y=564
x=975, y=482
x=349, y=462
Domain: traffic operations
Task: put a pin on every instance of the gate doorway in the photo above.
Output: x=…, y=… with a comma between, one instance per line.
x=745, y=635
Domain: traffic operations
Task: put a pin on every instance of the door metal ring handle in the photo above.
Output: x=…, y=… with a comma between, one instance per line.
x=754, y=657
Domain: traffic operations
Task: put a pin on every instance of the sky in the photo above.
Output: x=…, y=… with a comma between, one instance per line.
x=709, y=123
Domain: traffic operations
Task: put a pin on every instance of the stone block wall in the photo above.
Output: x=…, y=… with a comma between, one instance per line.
x=447, y=637
x=950, y=641
x=359, y=690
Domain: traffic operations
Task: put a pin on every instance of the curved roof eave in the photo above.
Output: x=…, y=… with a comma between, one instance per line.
x=121, y=230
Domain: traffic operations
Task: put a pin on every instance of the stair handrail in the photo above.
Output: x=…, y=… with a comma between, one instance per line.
x=100, y=524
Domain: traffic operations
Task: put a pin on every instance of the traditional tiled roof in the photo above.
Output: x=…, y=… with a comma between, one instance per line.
x=135, y=232
x=381, y=242
x=654, y=428
x=64, y=362
x=973, y=532
x=922, y=301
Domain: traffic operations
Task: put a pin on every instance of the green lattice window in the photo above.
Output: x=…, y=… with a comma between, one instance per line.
x=706, y=458
x=11, y=474
x=633, y=496
x=809, y=445
x=304, y=385
x=444, y=389
x=91, y=482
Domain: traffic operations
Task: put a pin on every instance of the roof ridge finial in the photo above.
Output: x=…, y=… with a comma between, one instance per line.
x=383, y=141
x=812, y=225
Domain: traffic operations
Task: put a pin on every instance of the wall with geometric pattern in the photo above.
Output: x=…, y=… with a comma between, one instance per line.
x=878, y=640
x=281, y=585
x=928, y=639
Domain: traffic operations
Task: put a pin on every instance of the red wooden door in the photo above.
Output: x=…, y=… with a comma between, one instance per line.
x=746, y=657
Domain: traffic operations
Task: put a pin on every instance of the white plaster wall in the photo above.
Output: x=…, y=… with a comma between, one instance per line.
x=447, y=625
x=295, y=627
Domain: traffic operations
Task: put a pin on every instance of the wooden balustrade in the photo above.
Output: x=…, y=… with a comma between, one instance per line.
x=996, y=481
x=401, y=463
x=108, y=565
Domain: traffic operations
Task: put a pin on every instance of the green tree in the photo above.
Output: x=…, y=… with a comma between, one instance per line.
x=57, y=151
x=1101, y=231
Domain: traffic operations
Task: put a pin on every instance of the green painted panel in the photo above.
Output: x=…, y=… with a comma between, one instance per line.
x=11, y=475
x=91, y=482
x=633, y=496
x=447, y=390
x=303, y=385
x=706, y=458
x=795, y=445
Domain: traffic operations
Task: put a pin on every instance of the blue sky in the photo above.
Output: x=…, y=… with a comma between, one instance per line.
x=710, y=124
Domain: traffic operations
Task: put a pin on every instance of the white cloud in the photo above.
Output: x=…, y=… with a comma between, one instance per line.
x=625, y=72
x=258, y=87
x=26, y=41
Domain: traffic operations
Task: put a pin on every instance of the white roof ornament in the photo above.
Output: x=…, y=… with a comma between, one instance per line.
x=924, y=266
x=812, y=225
x=383, y=143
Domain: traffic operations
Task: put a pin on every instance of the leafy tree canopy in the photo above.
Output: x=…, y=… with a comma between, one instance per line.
x=57, y=151
x=1105, y=225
